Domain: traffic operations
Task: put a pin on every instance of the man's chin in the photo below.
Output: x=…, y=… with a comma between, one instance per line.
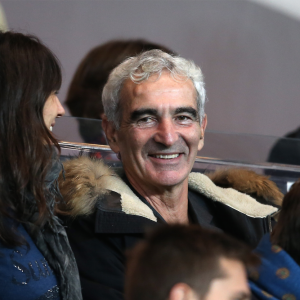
x=168, y=179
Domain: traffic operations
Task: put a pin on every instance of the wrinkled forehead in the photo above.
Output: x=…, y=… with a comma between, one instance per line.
x=157, y=85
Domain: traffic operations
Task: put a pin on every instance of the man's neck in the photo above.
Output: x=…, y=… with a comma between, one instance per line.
x=170, y=203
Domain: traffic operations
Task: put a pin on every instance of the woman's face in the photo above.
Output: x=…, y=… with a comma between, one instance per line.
x=52, y=110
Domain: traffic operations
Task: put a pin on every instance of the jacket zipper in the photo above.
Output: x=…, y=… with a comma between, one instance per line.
x=269, y=223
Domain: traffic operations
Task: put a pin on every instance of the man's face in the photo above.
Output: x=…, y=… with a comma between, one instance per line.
x=233, y=286
x=159, y=133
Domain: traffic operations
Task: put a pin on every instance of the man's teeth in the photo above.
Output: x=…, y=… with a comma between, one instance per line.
x=166, y=156
x=51, y=128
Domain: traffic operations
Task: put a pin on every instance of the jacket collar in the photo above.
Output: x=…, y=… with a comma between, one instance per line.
x=200, y=183
x=230, y=197
x=88, y=180
x=110, y=217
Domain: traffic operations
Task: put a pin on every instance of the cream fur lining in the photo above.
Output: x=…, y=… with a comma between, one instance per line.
x=87, y=179
x=131, y=204
x=230, y=197
x=198, y=182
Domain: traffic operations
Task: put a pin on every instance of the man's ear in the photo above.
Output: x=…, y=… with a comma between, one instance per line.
x=182, y=291
x=203, y=127
x=111, y=134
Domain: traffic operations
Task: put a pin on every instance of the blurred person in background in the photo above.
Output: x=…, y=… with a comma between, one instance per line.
x=85, y=91
x=36, y=260
x=278, y=275
x=188, y=263
x=287, y=149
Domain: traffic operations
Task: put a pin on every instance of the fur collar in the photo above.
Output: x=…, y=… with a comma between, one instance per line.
x=248, y=182
x=87, y=179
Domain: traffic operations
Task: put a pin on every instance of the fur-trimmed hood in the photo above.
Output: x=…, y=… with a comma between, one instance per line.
x=86, y=180
x=250, y=183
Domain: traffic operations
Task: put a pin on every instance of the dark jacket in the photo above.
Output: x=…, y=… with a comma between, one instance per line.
x=108, y=218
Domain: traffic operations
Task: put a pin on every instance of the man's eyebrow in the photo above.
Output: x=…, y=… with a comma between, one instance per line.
x=143, y=111
x=192, y=111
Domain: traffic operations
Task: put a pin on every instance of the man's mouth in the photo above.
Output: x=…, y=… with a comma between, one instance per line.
x=166, y=156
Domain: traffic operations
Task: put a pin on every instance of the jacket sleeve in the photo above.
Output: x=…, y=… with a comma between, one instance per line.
x=100, y=259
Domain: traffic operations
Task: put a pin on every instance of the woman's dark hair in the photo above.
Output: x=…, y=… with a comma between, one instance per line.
x=85, y=91
x=29, y=74
x=286, y=233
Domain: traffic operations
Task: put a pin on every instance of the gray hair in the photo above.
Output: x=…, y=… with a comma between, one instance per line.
x=140, y=68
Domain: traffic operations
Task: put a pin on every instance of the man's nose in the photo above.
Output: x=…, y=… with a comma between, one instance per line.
x=166, y=133
x=60, y=109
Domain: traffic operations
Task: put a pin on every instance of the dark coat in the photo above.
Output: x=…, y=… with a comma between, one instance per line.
x=110, y=219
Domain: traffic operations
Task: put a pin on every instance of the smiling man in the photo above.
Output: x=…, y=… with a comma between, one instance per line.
x=155, y=122
x=158, y=138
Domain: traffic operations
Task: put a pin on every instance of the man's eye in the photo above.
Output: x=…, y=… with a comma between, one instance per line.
x=184, y=119
x=146, y=122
